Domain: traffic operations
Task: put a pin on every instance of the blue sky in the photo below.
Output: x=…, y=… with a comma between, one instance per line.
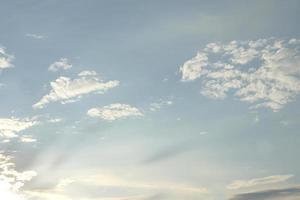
x=149, y=100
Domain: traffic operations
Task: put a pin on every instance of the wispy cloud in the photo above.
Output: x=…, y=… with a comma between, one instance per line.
x=159, y=104
x=238, y=184
x=61, y=64
x=35, y=36
x=263, y=72
x=66, y=90
x=114, y=111
x=292, y=193
x=5, y=59
x=55, y=120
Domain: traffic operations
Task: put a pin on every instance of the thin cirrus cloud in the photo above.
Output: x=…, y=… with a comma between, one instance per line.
x=61, y=64
x=10, y=127
x=5, y=59
x=114, y=111
x=263, y=72
x=291, y=193
x=66, y=90
x=238, y=184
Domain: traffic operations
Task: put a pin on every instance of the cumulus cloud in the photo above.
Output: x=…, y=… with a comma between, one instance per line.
x=264, y=72
x=66, y=90
x=292, y=193
x=238, y=184
x=5, y=59
x=11, y=181
x=10, y=127
x=114, y=111
x=62, y=63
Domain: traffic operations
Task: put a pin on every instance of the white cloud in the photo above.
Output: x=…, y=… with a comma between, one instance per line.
x=27, y=138
x=87, y=73
x=66, y=90
x=114, y=111
x=193, y=69
x=55, y=120
x=62, y=63
x=10, y=127
x=11, y=181
x=264, y=73
x=258, y=181
x=35, y=36
x=5, y=59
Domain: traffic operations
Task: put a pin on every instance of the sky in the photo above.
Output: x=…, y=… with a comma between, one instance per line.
x=149, y=100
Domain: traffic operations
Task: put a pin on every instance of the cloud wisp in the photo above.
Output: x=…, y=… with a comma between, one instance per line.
x=114, y=111
x=5, y=59
x=238, y=184
x=61, y=64
x=66, y=90
x=264, y=72
x=292, y=193
x=159, y=104
x=35, y=36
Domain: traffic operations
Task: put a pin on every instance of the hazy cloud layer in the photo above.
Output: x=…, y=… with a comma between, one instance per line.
x=66, y=90
x=109, y=186
x=264, y=72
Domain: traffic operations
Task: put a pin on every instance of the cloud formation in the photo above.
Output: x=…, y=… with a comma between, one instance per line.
x=11, y=181
x=238, y=184
x=66, y=90
x=292, y=193
x=264, y=72
x=5, y=59
x=61, y=64
x=114, y=111
x=10, y=127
